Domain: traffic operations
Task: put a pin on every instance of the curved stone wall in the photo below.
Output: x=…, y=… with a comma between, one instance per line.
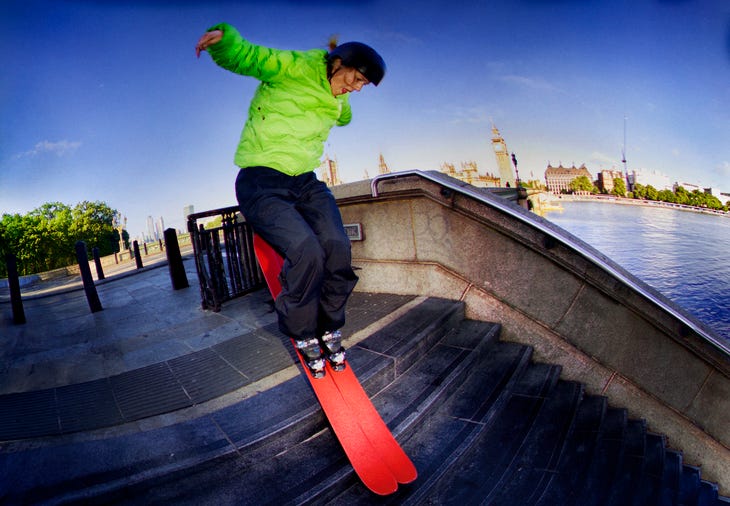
x=421, y=238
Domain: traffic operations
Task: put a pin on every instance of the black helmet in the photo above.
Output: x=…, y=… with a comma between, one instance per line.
x=362, y=58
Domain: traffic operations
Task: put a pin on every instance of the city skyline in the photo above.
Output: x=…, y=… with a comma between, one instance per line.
x=106, y=100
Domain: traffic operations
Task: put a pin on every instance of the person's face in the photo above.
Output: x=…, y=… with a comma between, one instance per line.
x=346, y=79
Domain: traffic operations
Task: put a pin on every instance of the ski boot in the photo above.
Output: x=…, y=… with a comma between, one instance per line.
x=312, y=353
x=333, y=350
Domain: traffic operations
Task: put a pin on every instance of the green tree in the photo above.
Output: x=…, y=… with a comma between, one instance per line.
x=619, y=187
x=666, y=196
x=713, y=202
x=44, y=238
x=651, y=192
x=639, y=191
x=11, y=231
x=681, y=196
x=92, y=223
x=214, y=223
x=581, y=183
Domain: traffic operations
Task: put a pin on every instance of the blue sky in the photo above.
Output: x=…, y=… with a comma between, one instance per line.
x=105, y=100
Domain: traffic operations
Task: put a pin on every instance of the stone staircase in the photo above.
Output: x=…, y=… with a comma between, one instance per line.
x=483, y=423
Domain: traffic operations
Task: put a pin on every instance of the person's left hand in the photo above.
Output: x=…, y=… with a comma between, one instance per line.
x=207, y=40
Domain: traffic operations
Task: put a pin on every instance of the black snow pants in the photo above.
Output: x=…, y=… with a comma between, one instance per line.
x=298, y=217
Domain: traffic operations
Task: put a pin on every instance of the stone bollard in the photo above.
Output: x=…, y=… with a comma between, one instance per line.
x=91, y=296
x=97, y=262
x=174, y=260
x=145, y=249
x=137, y=256
x=14, y=284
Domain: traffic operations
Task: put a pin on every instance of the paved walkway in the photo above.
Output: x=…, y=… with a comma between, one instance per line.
x=143, y=322
x=151, y=351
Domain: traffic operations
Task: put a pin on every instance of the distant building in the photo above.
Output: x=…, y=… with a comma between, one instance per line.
x=504, y=162
x=606, y=177
x=160, y=228
x=330, y=174
x=691, y=187
x=382, y=166
x=722, y=196
x=558, y=179
x=187, y=211
x=470, y=174
x=654, y=178
x=150, y=230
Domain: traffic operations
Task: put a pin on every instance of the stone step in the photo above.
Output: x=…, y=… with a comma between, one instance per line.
x=482, y=422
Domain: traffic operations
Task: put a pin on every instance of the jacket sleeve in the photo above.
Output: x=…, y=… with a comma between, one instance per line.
x=345, y=111
x=238, y=55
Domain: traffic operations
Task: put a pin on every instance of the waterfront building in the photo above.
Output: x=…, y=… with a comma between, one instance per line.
x=558, y=179
x=722, y=196
x=606, y=177
x=504, y=162
x=691, y=187
x=654, y=178
x=469, y=173
x=187, y=211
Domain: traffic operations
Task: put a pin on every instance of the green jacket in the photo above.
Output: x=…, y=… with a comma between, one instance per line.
x=293, y=109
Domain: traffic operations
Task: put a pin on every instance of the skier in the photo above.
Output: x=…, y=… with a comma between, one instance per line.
x=302, y=95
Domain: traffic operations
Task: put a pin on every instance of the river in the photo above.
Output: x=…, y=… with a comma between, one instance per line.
x=682, y=254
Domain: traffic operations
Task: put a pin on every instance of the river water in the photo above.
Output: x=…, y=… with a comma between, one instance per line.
x=682, y=254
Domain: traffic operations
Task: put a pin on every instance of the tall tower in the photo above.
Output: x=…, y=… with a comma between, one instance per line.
x=160, y=231
x=151, y=229
x=382, y=166
x=506, y=174
x=330, y=174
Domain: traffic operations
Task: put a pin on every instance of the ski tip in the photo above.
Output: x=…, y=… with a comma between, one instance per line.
x=407, y=477
x=404, y=477
x=381, y=489
x=403, y=469
x=377, y=478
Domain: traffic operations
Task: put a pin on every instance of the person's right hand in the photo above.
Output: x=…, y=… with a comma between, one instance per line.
x=208, y=39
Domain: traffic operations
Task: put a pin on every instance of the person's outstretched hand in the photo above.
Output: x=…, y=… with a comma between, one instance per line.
x=207, y=40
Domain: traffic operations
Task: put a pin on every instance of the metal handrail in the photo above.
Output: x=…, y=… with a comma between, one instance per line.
x=525, y=217
x=224, y=257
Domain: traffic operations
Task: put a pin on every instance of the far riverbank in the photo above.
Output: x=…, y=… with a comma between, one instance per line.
x=612, y=199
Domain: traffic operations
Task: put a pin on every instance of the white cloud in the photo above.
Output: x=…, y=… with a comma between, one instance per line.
x=534, y=83
x=59, y=148
x=461, y=114
x=604, y=161
x=724, y=169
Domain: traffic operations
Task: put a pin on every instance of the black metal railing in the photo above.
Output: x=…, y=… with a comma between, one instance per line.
x=224, y=257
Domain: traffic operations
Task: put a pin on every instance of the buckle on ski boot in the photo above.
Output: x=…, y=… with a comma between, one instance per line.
x=312, y=353
x=333, y=349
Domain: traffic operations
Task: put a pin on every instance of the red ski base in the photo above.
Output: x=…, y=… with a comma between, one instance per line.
x=375, y=455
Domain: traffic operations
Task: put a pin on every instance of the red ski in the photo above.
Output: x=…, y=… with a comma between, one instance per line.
x=374, y=453
x=362, y=409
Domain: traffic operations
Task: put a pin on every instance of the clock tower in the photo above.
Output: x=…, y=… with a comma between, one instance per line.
x=506, y=173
